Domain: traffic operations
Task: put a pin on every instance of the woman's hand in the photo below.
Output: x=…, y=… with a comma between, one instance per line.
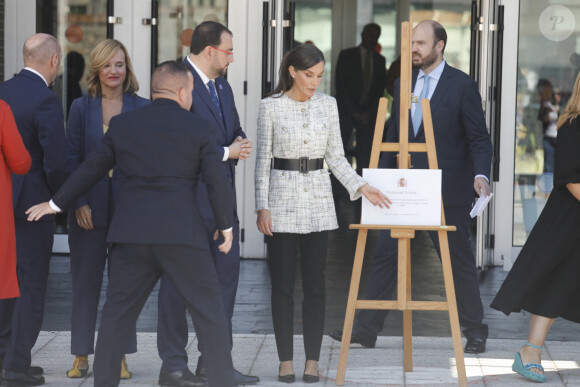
x=84, y=217
x=376, y=197
x=264, y=222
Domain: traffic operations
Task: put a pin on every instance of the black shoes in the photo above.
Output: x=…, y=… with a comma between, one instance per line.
x=182, y=378
x=475, y=345
x=307, y=378
x=354, y=339
x=13, y=379
x=290, y=378
x=239, y=378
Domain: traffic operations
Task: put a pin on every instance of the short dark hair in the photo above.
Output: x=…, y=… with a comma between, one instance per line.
x=166, y=71
x=439, y=33
x=301, y=57
x=208, y=33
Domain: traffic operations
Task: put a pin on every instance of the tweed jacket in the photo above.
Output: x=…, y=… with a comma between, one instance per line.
x=301, y=203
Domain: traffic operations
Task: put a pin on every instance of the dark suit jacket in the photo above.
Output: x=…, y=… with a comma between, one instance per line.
x=463, y=144
x=39, y=117
x=349, y=82
x=160, y=151
x=226, y=130
x=84, y=133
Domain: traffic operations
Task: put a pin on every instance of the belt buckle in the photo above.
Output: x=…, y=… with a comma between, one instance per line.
x=303, y=165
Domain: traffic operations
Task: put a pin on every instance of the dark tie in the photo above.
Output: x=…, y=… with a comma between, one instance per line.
x=214, y=97
x=418, y=116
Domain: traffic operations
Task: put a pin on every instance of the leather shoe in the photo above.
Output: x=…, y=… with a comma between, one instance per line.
x=239, y=378
x=181, y=378
x=13, y=379
x=34, y=370
x=475, y=345
x=308, y=378
x=354, y=339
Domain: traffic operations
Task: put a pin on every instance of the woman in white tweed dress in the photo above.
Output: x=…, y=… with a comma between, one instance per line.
x=298, y=130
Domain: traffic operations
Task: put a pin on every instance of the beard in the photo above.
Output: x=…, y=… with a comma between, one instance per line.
x=223, y=71
x=424, y=62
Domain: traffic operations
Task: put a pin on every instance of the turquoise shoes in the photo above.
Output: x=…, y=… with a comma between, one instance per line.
x=526, y=369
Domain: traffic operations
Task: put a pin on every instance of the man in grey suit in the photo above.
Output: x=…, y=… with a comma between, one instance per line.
x=160, y=151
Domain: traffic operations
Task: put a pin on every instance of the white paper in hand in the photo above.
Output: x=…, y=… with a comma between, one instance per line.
x=480, y=205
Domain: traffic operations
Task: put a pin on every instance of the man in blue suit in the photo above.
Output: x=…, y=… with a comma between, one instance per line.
x=160, y=151
x=211, y=53
x=464, y=154
x=39, y=117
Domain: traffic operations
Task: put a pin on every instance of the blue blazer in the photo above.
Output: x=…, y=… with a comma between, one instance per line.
x=226, y=130
x=39, y=116
x=160, y=150
x=462, y=142
x=84, y=133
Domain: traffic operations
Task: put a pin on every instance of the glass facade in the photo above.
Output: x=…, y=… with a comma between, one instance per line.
x=548, y=63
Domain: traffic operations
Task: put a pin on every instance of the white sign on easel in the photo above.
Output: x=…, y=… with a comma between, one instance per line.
x=415, y=193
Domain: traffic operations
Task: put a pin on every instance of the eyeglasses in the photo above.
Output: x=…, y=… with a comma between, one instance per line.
x=228, y=53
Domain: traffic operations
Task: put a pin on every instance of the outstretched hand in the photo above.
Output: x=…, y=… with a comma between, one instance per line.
x=375, y=196
x=38, y=211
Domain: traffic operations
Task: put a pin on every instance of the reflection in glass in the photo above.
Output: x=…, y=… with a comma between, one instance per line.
x=544, y=86
x=314, y=25
x=177, y=16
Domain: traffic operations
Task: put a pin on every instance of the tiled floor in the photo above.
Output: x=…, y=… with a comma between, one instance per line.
x=255, y=350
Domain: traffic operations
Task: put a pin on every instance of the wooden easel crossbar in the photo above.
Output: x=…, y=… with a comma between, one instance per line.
x=403, y=234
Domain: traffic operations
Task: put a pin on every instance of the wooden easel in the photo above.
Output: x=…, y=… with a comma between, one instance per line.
x=404, y=234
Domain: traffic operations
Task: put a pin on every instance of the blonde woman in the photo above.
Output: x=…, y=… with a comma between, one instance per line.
x=112, y=91
x=545, y=279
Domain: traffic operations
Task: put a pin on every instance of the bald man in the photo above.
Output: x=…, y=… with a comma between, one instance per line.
x=157, y=228
x=39, y=117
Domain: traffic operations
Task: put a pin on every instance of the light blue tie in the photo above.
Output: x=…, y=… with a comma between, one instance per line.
x=215, y=99
x=418, y=116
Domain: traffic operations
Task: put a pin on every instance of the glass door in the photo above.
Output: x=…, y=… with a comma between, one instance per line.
x=544, y=60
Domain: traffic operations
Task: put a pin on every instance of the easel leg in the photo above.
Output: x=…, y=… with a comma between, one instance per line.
x=452, y=305
x=408, y=318
x=351, y=305
x=404, y=295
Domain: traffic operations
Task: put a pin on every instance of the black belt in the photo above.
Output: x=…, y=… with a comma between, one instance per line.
x=302, y=165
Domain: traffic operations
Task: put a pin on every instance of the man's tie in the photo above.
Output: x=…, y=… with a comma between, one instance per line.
x=418, y=116
x=214, y=96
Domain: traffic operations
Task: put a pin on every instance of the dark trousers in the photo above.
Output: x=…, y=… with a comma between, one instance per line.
x=282, y=260
x=135, y=269
x=383, y=278
x=363, y=136
x=88, y=257
x=172, y=329
x=21, y=318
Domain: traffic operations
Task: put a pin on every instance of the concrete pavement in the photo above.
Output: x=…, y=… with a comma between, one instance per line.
x=434, y=363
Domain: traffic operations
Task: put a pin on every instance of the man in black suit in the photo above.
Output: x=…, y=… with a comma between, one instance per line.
x=464, y=152
x=211, y=53
x=361, y=77
x=39, y=116
x=160, y=151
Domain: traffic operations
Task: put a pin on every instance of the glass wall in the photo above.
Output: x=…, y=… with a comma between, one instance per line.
x=78, y=25
x=548, y=62
x=314, y=25
x=178, y=18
